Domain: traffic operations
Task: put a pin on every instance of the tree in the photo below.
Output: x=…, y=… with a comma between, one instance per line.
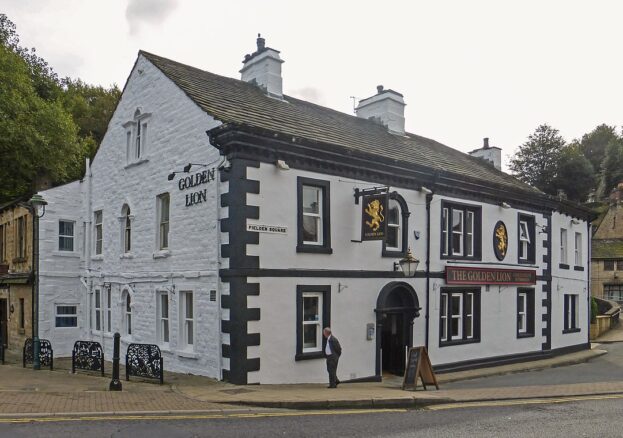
x=593, y=145
x=574, y=174
x=612, y=167
x=536, y=161
x=38, y=138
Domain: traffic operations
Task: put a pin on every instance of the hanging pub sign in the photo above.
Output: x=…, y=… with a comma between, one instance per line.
x=500, y=240
x=373, y=211
x=468, y=275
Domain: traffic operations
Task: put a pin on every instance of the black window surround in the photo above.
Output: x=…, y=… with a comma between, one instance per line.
x=404, y=229
x=326, y=319
x=448, y=320
x=530, y=220
x=571, y=303
x=476, y=232
x=325, y=247
x=529, y=293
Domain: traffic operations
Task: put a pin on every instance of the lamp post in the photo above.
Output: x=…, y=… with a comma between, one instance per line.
x=409, y=264
x=35, y=203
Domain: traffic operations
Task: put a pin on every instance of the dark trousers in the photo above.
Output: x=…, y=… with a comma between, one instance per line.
x=332, y=369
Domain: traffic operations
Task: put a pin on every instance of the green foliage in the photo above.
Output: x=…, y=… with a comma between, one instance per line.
x=612, y=166
x=536, y=161
x=574, y=174
x=593, y=145
x=594, y=310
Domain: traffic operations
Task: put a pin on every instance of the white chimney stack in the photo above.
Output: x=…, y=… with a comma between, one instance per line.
x=491, y=154
x=263, y=68
x=387, y=107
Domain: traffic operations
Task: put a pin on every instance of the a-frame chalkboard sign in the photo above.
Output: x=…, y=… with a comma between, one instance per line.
x=418, y=365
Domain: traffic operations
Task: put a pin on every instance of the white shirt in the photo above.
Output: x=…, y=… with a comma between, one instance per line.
x=327, y=349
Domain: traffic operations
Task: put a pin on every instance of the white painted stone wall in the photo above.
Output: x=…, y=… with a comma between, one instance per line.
x=60, y=271
x=176, y=135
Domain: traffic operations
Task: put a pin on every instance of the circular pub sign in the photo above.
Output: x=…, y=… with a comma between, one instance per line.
x=500, y=240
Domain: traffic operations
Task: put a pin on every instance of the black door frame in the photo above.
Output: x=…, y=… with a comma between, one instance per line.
x=411, y=310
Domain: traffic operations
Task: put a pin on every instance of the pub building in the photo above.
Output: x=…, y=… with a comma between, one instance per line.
x=229, y=223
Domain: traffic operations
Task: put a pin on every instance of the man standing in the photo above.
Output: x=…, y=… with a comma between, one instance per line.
x=332, y=351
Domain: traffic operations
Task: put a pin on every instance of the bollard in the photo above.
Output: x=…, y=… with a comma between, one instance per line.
x=115, y=383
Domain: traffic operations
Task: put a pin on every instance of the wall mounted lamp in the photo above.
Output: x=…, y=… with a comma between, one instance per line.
x=408, y=265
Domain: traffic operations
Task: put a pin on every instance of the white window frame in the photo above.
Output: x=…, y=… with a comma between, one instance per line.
x=578, y=249
x=98, y=232
x=126, y=219
x=445, y=226
x=162, y=319
x=398, y=226
x=67, y=236
x=164, y=224
x=65, y=315
x=186, y=322
x=108, y=307
x=524, y=240
x=318, y=217
x=459, y=317
x=563, y=246
x=127, y=313
x=458, y=233
x=137, y=137
x=573, y=312
x=317, y=322
x=97, y=310
x=470, y=223
x=443, y=309
x=522, y=313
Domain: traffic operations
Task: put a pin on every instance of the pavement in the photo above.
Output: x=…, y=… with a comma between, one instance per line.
x=27, y=393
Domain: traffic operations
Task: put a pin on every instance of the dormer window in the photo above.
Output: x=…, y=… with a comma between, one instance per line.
x=136, y=137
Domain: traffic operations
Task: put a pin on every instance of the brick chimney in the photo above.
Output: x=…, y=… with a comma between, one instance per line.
x=386, y=107
x=263, y=68
x=491, y=154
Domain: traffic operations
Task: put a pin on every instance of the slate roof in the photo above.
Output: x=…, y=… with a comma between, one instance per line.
x=234, y=101
x=607, y=249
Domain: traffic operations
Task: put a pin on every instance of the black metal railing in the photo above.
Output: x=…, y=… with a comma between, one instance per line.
x=88, y=356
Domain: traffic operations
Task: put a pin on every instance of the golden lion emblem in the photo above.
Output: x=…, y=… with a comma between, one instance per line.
x=500, y=234
x=375, y=211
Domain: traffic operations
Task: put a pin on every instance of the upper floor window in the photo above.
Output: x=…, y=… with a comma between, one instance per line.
x=2, y=243
x=163, y=220
x=20, y=238
x=563, y=247
x=526, y=239
x=460, y=231
x=126, y=220
x=136, y=136
x=314, y=217
x=98, y=231
x=396, y=240
x=578, y=249
x=66, y=235
x=613, y=265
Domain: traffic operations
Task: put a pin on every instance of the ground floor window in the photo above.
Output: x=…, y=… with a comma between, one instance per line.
x=613, y=292
x=127, y=315
x=572, y=313
x=163, y=318
x=313, y=307
x=98, y=310
x=22, y=319
x=525, y=313
x=108, y=310
x=459, y=316
x=66, y=315
x=187, y=315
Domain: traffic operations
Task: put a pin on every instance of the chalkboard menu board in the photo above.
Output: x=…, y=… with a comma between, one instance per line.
x=418, y=365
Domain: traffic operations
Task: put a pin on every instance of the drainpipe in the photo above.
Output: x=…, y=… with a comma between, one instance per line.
x=429, y=199
x=589, y=292
x=87, y=250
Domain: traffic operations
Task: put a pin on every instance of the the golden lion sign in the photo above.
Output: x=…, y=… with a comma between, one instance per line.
x=375, y=211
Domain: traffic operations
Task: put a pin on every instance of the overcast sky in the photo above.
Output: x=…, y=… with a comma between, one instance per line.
x=468, y=69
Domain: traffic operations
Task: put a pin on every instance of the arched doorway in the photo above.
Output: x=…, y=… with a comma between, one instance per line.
x=396, y=308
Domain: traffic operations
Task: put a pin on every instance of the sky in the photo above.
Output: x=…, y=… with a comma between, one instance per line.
x=467, y=69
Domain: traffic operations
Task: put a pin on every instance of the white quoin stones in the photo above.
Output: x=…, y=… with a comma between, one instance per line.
x=263, y=67
x=491, y=154
x=387, y=107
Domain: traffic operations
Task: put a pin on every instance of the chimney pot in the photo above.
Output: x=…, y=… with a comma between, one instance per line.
x=379, y=89
x=261, y=43
x=263, y=68
x=485, y=143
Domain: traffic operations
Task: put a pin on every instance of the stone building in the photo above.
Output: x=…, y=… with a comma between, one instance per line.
x=232, y=249
x=16, y=274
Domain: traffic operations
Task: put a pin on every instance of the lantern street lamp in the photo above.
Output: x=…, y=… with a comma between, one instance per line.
x=35, y=204
x=409, y=264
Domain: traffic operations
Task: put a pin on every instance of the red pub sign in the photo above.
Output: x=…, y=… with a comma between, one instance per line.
x=462, y=275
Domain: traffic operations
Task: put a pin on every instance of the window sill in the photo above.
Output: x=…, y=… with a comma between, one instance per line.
x=97, y=258
x=563, y=266
x=71, y=254
x=458, y=342
x=525, y=335
x=161, y=254
x=578, y=268
x=460, y=258
x=393, y=253
x=136, y=163
x=571, y=330
x=187, y=354
x=127, y=255
x=309, y=356
x=314, y=249
x=19, y=260
x=525, y=262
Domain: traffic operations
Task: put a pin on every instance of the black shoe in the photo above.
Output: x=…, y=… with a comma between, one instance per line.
x=337, y=383
x=331, y=387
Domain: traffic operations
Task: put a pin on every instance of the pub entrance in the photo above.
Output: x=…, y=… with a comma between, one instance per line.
x=4, y=319
x=396, y=307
